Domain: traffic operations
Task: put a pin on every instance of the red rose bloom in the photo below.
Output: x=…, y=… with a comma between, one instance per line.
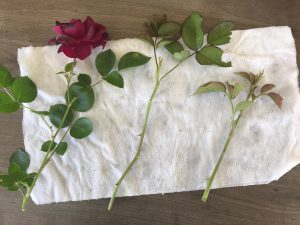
x=77, y=38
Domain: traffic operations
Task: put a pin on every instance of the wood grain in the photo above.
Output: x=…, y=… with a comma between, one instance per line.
x=29, y=22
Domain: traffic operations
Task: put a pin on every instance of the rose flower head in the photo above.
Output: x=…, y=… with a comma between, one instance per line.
x=77, y=38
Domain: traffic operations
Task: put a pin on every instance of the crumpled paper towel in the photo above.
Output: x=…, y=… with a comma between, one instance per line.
x=186, y=133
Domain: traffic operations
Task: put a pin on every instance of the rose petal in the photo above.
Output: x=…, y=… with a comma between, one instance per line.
x=65, y=40
x=69, y=51
x=100, y=27
x=90, y=34
x=83, y=50
x=97, y=37
x=59, y=50
x=57, y=29
x=100, y=43
x=88, y=22
x=75, y=30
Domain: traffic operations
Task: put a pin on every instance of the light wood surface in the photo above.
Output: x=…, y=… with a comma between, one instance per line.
x=28, y=22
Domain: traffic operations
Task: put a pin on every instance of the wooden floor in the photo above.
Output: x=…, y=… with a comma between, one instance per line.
x=28, y=22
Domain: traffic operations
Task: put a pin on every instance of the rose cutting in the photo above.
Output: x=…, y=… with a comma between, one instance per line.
x=76, y=40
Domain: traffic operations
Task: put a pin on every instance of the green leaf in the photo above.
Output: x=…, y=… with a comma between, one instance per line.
x=21, y=158
x=84, y=79
x=211, y=55
x=14, y=168
x=220, y=34
x=85, y=97
x=5, y=77
x=181, y=55
x=16, y=173
x=7, y=105
x=192, y=34
x=213, y=86
x=46, y=146
x=81, y=128
x=115, y=79
x=242, y=106
x=61, y=148
x=6, y=181
x=69, y=66
x=56, y=115
x=13, y=187
x=266, y=88
x=163, y=42
x=277, y=99
x=29, y=179
x=236, y=90
x=174, y=46
x=105, y=62
x=169, y=29
x=24, y=89
x=132, y=59
x=147, y=39
x=42, y=113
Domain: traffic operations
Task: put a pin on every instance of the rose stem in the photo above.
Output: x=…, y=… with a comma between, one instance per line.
x=46, y=158
x=142, y=135
x=148, y=108
x=233, y=126
x=49, y=154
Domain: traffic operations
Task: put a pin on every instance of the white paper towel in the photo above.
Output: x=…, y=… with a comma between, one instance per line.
x=185, y=134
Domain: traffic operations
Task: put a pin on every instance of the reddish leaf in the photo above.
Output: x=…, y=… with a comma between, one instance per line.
x=249, y=76
x=266, y=88
x=277, y=99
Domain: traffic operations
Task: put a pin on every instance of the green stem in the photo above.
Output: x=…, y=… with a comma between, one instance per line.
x=154, y=50
x=232, y=129
x=68, y=78
x=47, y=157
x=142, y=135
x=102, y=79
x=61, y=140
x=97, y=82
x=28, y=192
x=232, y=111
x=210, y=181
x=167, y=73
x=35, y=112
x=26, y=107
x=47, y=124
x=148, y=108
